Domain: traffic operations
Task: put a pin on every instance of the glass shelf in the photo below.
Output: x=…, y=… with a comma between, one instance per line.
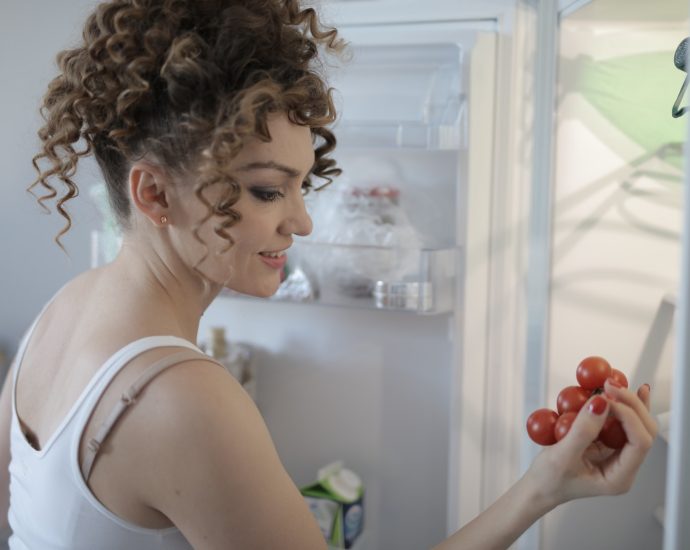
x=418, y=281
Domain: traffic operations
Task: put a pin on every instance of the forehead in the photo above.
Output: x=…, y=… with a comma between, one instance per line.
x=291, y=145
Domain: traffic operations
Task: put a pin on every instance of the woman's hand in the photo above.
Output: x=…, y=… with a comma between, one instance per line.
x=574, y=467
x=578, y=466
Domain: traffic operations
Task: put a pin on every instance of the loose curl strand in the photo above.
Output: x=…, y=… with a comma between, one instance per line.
x=188, y=83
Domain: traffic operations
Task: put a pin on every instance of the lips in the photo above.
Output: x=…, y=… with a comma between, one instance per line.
x=278, y=254
x=275, y=260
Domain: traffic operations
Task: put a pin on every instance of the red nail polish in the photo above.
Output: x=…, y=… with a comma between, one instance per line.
x=614, y=383
x=597, y=405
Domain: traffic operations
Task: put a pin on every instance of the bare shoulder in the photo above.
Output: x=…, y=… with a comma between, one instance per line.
x=217, y=474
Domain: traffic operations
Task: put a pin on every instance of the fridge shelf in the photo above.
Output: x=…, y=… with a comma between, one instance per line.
x=420, y=281
x=414, y=280
x=401, y=135
x=402, y=97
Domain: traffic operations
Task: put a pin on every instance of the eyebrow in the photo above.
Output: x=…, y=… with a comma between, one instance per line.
x=292, y=172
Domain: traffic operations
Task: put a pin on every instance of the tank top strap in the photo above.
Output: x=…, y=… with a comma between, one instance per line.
x=129, y=396
x=117, y=361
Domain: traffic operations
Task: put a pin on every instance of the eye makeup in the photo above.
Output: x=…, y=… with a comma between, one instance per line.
x=266, y=194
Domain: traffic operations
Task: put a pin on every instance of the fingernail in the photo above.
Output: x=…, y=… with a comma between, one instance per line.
x=649, y=388
x=614, y=383
x=597, y=405
x=609, y=396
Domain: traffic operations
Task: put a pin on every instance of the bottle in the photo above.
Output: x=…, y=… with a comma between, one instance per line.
x=241, y=354
x=236, y=358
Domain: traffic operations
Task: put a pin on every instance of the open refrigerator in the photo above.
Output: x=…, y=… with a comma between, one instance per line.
x=360, y=362
x=414, y=338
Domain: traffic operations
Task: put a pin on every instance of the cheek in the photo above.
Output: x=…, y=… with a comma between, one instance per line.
x=254, y=231
x=210, y=255
x=251, y=235
x=240, y=258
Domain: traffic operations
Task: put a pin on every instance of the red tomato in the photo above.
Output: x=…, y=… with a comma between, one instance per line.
x=571, y=399
x=540, y=426
x=563, y=424
x=619, y=377
x=592, y=372
x=612, y=434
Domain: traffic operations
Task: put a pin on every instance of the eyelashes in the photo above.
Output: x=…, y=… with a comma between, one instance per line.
x=272, y=195
x=267, y=195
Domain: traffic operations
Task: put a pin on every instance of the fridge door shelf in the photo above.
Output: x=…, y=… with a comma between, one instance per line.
x=420, y=281
x=399, y=135
x=402, y=97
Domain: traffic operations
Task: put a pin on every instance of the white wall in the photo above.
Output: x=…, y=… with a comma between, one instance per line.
x=33, y=267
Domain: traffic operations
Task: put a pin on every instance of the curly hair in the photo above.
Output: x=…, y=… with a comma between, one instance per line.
x=188, y=82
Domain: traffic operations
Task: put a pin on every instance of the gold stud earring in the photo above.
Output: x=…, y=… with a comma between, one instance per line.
x=164, y=219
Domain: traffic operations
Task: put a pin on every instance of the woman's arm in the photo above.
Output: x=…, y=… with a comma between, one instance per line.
x=575, y=467
x=503, y=522
x=208, y=463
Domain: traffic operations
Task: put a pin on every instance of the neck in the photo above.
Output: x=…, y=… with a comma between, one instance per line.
x=161, y=286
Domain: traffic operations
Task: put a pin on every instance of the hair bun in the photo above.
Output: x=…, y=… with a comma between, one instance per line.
x=187, y=81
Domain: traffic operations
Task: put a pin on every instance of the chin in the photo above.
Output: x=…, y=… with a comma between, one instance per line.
x=264, y=294
x=263, y=291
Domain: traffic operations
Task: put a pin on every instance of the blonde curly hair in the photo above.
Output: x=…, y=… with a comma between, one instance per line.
x=188, y=82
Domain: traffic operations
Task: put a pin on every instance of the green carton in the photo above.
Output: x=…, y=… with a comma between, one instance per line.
x=337, y=502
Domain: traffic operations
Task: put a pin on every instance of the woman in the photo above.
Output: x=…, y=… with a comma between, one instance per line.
x=208, y=119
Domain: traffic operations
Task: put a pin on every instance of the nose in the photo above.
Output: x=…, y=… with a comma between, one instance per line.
x=297, y=221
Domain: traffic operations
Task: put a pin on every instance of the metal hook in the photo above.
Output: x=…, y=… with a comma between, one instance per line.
x=680, y=60
x=676, y=112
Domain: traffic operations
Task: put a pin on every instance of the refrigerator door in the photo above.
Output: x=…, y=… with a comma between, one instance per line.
x=677, y=528
x=615, y=200
x=376, y=388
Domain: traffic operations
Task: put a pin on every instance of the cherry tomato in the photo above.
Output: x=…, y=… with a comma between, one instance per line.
x=540, y=425
x=592, y=372
x=619, y=377
x=612, y=434
x=563, y=424
x=571, y=399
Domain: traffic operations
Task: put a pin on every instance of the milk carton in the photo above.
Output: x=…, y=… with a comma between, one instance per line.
x=337, y=502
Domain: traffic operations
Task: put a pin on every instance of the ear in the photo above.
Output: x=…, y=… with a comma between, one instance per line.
x=149, y=187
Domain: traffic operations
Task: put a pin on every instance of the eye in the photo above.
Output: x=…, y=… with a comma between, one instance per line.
x=267, y=195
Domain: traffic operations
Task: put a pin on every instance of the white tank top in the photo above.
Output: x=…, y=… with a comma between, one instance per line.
x=51, y=506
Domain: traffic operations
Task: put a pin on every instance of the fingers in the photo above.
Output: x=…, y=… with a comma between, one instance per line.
x=636, y=430
x=638, y=403
x=644, y=392
x=640, y=429
x=621, y=468
x=586, y=427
